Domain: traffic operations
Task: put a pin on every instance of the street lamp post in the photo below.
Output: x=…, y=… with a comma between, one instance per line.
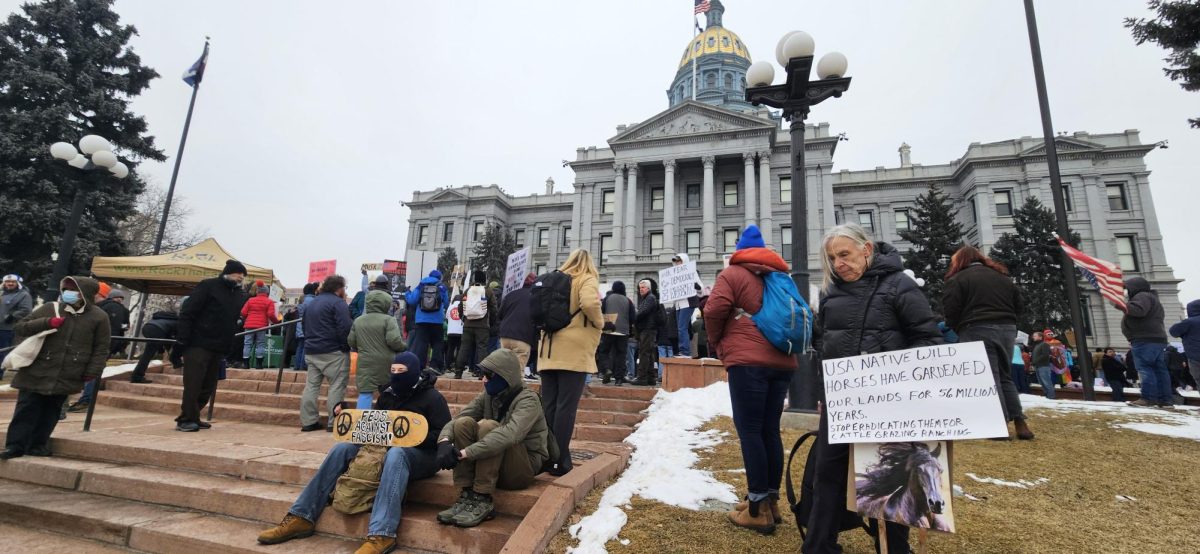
x=94, y=153
x=795, y=53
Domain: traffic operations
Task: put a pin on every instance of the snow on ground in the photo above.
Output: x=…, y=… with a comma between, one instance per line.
x=110, y=371
x=1181, y=422
x=1019, y=484
x=666, y=447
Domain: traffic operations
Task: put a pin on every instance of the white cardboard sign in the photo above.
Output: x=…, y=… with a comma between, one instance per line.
x=677, y=282
x=943, y=392
x=516, y=270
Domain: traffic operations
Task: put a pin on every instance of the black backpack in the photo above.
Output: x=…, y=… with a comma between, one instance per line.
x=550, y=304
x=802, y=506
x=431, y=298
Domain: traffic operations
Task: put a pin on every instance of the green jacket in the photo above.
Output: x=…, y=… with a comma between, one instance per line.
x=376, y=337
x=523, y=420
x=79, y=348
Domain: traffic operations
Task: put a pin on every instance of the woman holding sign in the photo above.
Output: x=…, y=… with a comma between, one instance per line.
x=869, y=306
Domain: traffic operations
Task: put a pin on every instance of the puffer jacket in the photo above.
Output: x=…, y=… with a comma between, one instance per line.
x=573, y=348
x=209, y=317
x=1189, y=331
x=732, y=336
x=615, y=302
x=980, y=294
x=424, y=399
x=14, y=305
x=882, y=311
x=259, y=312
x=517, y=408
x=647, y=312
x=413, y=298
x=78, y=349
x=376, y=337
x=118, y=316
x=515, y=320
x=1144, y=315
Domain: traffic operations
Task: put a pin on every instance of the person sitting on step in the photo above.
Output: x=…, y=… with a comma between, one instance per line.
x=409, y=389
x=498, y=440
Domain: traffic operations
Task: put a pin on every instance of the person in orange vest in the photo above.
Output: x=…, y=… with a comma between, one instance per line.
x=257, y=312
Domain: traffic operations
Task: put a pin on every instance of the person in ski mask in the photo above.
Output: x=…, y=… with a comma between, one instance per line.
x=408, y=389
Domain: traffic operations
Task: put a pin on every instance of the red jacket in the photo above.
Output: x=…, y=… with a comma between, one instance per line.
x=259, y=312
x=735, y=340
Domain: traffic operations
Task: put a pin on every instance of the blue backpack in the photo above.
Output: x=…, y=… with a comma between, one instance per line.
x=785, y=319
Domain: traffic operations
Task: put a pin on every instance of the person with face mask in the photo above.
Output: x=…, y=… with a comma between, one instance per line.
x=408, y=389
x=76, y=352
x=206, y=327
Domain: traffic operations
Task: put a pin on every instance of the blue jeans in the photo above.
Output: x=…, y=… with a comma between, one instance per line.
x=683, y=322
x=399, y=467
x=6, y=339
x=365, y=399
x=1018, y=377
x=663, y=352
x=427, y=337
x=631, y=362
x=298, y=359
x=1045, y=377
x=89, y=392
x=259, y=343
x=1151, y=362
x=757, y=395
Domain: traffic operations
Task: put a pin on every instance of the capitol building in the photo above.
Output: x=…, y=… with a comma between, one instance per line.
x=690, y=178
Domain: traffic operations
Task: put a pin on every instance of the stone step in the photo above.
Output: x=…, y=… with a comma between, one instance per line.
x=39, y=541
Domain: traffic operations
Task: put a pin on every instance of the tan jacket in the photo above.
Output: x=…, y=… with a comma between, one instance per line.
x=573, y=348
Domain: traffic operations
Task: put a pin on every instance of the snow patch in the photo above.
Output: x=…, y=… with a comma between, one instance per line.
x=1125, y=498
x=1182, y=422
x=666, y=445
x=1019, y=484
x=115, y=370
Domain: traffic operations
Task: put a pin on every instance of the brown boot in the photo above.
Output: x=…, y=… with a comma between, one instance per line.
x=377, y=544
x=1023, y=431
x=756, y=517
x=292, y=527
x=772, y=505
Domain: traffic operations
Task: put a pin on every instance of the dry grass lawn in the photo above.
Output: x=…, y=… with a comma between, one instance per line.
x=1087, y=461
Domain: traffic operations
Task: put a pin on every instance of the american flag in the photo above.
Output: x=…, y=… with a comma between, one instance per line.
x=1105, y=276
x=702, y=6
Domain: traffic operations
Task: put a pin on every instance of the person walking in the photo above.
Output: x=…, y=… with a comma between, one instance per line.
x=15, y=304
x=478, y=311
x=758, y=373
x=1114, y=374
x=649, y=315
x=310, y=294
x=326, y=331
x=163, y=324
x=981, y=303
x=684, y=308
x=207, y=323
x=1189, y=331
x=257, y=312
x=517, y=332
x=619, y=314
x=376, y=337
x=567, y=356
x=1018, y=370
x=1144, y=328
x=428, y=302
x=76, y=352
x=1040, y=358
x=118, y=318
x=454, y=329
x=869, y=306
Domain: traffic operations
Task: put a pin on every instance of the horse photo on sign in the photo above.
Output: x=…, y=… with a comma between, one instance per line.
x=904, y=482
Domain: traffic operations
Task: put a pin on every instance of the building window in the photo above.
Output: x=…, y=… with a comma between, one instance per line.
x=710, y=80
x=657, y=199
x=656, y=242
x=543, y=236
x=519, y=237
x=902, y=220
x=605, y=247
x=1003, y=199
x=1127, y=253
x=730, y=238
x=785, y=240
x=837, y=217
x=607, y=199
x=1068, y=201
x=566, y=236
x=448, y=231
x=422, y=234
x=1116, y=197
x=866, y=221
x=974, y=209
x=477, y=231
x=693, y=242
x=693, y=196
x=785, y=190
x=728, y=79
x=730, y=194
x=539, y=269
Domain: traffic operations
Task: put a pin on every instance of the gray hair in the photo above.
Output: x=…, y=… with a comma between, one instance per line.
x=847, y=230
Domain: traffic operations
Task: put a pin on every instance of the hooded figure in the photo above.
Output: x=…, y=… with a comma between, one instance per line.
x=1189, y=331
x=377, y=339
x=1144, y=314
x=429, y=311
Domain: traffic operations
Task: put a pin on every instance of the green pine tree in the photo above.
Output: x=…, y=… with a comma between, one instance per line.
x=1176, y=28
x=934, y=235
x=447, y=259
x=66, y=70
x=1034, y=261
x=491, y=252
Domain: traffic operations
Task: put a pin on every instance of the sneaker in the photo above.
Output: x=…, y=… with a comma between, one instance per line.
x=43, y=451
x=138, y=379
x=446, y=517
x=187, y=427
x=204, y=424
x=78, y=407
x=292, y=527
x=10, y=453
x=480, y=509
x=313, y=427
x=1141, y=403
x=377, y=544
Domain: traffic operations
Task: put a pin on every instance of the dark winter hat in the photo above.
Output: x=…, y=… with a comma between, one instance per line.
x=751, y=238
x=478, y=277
x=436, y=274
x=410, y=360
x=382, y=281
x=116, y=293
x=619, y=287
x=233, y=266
x=264, y=290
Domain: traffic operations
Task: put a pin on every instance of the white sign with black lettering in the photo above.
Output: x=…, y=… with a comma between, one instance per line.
x=943, y=392
x=516, y=270
x=677, y=282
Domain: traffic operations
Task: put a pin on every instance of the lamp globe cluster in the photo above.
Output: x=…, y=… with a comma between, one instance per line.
x=94, y=146
x=796, y=44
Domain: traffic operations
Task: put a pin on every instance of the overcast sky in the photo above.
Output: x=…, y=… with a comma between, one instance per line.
x=315, y=119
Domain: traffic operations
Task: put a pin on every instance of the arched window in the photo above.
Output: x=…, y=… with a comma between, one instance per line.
x=728, y=81
x=710, y=81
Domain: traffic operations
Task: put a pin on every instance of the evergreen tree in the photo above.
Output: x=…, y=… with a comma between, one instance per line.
x=1034, y=261
x=66, y=71
x=491, y=252
x=447, y=259
x=935, y=235
x=1176, y=28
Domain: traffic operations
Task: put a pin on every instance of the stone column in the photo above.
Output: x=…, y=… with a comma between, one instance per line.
x=1097, y=207
x=1158, y=256
x=766, y=222
x=584, y=233
x=632, y=216
x=670, y=209
x=576, y=216
x=751, y=190
x=618, y=228
x=708, y=232
x=555, y=241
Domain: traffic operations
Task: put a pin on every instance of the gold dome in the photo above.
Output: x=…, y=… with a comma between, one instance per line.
x=715, y=40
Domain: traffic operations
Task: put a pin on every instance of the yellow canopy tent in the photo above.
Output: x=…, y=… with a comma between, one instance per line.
x=173, y=273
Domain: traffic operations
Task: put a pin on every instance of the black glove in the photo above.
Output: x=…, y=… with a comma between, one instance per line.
x=447, y=456
x=9, y=318
x=610, y=326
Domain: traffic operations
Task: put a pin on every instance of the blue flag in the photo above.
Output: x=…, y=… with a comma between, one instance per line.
x=195, y=73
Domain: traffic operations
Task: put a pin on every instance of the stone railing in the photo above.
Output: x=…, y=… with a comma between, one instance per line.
x=684, y=373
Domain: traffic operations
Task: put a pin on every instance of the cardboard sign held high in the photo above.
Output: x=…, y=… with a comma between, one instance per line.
x=380, y=427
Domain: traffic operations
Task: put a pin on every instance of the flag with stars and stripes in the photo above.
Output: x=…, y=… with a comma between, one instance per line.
x=702, y=6
x=1105, y=276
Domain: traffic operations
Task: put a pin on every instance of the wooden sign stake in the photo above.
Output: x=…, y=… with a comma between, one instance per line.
x=883, y=545
x=922, y=537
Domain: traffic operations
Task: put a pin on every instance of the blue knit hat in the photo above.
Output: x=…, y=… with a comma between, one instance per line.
x=436, y=274
x=751, y=238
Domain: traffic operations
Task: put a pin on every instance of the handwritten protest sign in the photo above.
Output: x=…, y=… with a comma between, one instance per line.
x=320, y=270
x=677, y=282
x=381, y=427
x=943, y=392
x=517, y=269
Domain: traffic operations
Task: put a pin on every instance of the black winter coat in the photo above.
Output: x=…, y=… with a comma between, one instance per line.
x=1114, y=371
x=167, y=322
x=647, y=313
x=515, y=321
x=425, y=400
x=882, y=311
x=209, y=318
x=118, y=316
x=980, y=294
x=1144, y=314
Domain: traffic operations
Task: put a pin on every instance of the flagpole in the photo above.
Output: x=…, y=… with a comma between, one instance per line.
x=692, y=47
